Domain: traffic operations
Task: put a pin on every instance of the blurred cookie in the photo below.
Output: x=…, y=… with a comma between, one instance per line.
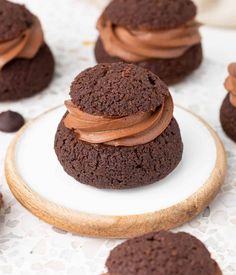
x=160, y=35
x=26, y=62
x=228, y=108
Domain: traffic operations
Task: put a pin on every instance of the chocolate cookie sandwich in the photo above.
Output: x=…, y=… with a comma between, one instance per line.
x=160, y=35
x=162, y=253
x=228, y=108
x=119, y=131
x=26, y=62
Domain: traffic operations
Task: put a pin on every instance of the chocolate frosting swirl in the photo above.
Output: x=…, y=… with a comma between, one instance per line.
x=139, y=45
x=130, y=130
x=230, y=83
x=24, y=46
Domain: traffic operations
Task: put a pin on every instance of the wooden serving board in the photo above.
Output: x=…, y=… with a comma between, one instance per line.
x=40, y=184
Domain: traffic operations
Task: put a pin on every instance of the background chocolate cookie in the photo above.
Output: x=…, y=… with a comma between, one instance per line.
x=14, y=20
x=228, y=108
x=173, y=48
x=162, y=253
x=26, y=62
x=112, y=92
x=149, y=13
x=33, y=75
x=228, y=118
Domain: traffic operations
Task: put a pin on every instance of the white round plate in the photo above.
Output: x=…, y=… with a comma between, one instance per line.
x=38, y=181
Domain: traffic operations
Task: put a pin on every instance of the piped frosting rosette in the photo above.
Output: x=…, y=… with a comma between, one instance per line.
x=139, y=45
x=136, y=129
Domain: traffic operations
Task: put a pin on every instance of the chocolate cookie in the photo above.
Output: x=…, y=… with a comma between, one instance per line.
x=228, y=108
x=162, y=253
x=159, y=35
x=117, y=90
x=26, y=62
x=103, y=140
x=228, y=118
x=14, y=19
x=104, y=166
x=150, y=14
x=33, y=75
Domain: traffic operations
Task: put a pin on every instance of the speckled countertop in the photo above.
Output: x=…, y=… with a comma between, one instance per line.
x=29, y=246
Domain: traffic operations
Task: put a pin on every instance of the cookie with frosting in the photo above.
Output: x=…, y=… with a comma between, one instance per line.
x=26, y=62
x=228, y=108
x=119, y=131
x=160, y=35
x=162, y=253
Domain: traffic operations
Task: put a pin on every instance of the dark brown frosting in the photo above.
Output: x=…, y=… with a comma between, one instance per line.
x=139, y=45
x=130, y=130
x=24, y=46
x=230, y=83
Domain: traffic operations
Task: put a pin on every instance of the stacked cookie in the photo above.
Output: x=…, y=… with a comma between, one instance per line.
x=160, y=35
x=26, y=62
x=119, y=131
x=228, y=108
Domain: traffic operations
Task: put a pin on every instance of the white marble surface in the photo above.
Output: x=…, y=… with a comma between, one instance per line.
x=28, y=246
